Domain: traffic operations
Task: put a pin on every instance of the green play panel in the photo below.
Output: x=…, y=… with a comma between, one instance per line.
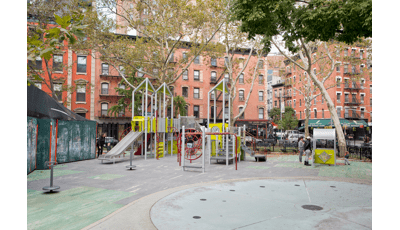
x=106, y=176
x=45, y=174
x=71, y=209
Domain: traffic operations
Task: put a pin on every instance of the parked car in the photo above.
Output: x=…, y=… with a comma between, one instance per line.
x=294, y=137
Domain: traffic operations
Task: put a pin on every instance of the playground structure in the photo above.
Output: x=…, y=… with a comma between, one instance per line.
x=149, y=129
x=324, y=155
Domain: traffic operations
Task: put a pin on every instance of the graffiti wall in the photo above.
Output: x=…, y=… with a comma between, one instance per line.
x=31, y=145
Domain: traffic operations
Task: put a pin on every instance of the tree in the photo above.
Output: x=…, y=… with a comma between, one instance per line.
x=344, y=21
x=160, y=29
x=53, y=26
x=275, y=114
x=289, y=120
x=180, y=106
x=311, y=23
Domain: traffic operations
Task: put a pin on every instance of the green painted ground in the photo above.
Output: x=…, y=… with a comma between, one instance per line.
x=293, y=165
x=45, y=174
x=71, y=209
x=283, y=158
x=106, y=176
x=359, y=170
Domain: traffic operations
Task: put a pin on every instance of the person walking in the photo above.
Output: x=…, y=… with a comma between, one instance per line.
x=100, y=145
x=307, y=149
x=300, y=145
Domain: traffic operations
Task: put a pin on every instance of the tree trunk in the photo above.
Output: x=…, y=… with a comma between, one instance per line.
x=335, y=118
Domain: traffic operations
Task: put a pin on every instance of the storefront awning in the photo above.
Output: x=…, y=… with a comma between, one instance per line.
x=321, y=123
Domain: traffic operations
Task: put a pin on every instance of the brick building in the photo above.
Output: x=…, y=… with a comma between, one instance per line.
x=350, y=90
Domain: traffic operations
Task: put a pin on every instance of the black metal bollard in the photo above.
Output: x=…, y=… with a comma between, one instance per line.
x=51, y=187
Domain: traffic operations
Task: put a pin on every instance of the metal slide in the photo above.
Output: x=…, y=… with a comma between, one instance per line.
x=247, y=150
x=121, y=146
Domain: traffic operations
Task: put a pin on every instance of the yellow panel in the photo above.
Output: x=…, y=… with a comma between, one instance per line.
x=320, y=155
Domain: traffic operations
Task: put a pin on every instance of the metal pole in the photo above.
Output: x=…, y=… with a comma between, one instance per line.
x=183, y=149
x=171, y=122
x=156, y=129
x=215, y=106
x=165, y=125
x=239, y=134
x=203, y=148
x=145, y=122
x=208, y=109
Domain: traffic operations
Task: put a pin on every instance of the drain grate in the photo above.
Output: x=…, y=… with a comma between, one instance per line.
x=333, y=186
x=196, y=217
x=232, y=190
x=203, y=199
x=224, y=201
x=296, y=185
x=312, y=207
x=262, y=186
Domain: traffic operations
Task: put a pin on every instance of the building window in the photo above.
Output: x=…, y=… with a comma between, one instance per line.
x=315, y=113
x=322, y=99
x=212, y=94
x=260, y=113
x=122, y=70
x=184, y=57
x=353, y=69
x=212, y=112
x=346, y=68
x=260, y=96
x=300, y=114
x=240, y=110
x=300, y=102
x=339, y=111
x=315, y=100
x=226, y=112
x=260, y=79
x=338, y=97
x=104, y=69
x=294, y=103
x=82, y=114
x=226, y=60
x=226, y=76
x=104, y=109
x=276, y=94
x=196, y=93
x=315, y=71
x=196, y=111
x=338, y=82
x=185, y=92
x=121, y=113
x=213, y=76
x=260, y=64
x=80, y=93
x=241, y=78
x=197, y=60
x=185, y=75
x=323, y=115
x=81, y=68
x=353, y=52
x=121, y=86
x=346, y=98
x=361, y=54
x=370, y=89
x=241, y=95
x=337, y=67
x=58, y=63
x=346, y=52
x=362, y=113
x=196, y=75
x=104, y=88
x=58, y=90
x=361, y=68
x=354, y=98
x=276, y=104
x=362, y=98
x=294, y=79
x=370, y=101
x=213, y=61
x=37, y=65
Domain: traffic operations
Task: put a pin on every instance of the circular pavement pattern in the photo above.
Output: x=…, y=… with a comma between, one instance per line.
x=262, y=204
